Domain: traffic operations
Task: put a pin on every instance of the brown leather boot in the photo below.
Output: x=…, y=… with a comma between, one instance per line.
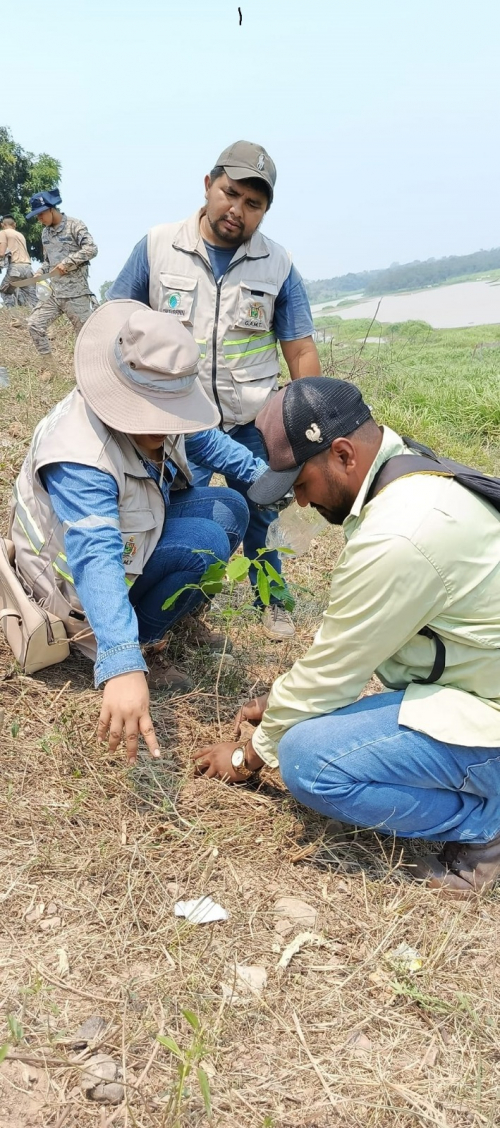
x=462, y=869
x=196, y=633
x=164, y=675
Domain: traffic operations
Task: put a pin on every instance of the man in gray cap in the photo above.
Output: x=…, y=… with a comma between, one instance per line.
x=239, y=294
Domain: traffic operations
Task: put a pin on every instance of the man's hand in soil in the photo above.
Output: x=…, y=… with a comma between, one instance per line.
x=125, y=706
x=252, y=711
x=214, y=762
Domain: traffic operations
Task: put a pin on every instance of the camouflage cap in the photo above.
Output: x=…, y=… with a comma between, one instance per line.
x=243, y=160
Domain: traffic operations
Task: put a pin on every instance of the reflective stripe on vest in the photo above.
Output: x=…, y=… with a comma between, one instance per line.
x=60, y=571
x=267, y=342
x=25, y=520
x=202, y=347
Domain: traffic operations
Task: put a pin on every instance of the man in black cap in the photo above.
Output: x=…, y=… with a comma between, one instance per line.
x=415, y=596
x=239, y=294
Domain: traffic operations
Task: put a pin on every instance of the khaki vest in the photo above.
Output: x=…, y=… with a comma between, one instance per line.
x=72, y=433
x=231, y=320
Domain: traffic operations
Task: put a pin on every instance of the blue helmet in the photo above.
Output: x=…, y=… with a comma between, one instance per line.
x=43, y=200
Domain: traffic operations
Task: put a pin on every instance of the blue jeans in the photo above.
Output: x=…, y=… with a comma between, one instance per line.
x=214, y=520
x=360, y=766
x=260, y=519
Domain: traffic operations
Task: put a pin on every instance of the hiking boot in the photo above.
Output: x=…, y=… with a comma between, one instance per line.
x=277, y=623
x=462, y=868
x=48, y=368
x=197, y=633
x=164, y=675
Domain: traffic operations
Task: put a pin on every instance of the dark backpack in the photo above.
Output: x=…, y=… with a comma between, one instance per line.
x=404, y=465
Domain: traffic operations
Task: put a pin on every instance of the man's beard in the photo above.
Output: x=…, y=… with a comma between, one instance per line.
x=231, y=240
x=338, y=514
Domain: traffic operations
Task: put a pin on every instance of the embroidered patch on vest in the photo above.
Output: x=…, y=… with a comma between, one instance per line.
x=129, y=550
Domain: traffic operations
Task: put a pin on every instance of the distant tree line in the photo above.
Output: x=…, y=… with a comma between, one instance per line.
x=21, y=175
x=404, y=276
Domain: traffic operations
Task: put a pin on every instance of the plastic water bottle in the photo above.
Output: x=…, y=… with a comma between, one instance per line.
x=4, y=378
x=295, y=528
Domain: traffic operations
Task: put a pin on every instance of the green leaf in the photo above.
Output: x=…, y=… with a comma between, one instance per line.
x=4, y=1051
x=172, y=598
x=273, y=573
x=214, y=573
x=192, y=1018
x=204, y=1084
x=15, y=1028
x=212, y=588
x=211, y=580
x=170, y=1043
x=237, y=568
x=264, y=587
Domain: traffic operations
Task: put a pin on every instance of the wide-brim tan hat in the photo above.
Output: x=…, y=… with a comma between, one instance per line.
x=138, y=370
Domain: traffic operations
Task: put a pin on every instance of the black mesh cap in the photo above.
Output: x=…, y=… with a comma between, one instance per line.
x=300, y=421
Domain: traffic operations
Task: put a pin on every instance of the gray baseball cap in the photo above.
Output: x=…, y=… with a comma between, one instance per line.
x=244, y=160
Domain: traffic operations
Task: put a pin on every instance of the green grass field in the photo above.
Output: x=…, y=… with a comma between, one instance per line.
x=441, y=386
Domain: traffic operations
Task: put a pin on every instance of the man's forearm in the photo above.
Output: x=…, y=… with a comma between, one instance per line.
x=301, y=358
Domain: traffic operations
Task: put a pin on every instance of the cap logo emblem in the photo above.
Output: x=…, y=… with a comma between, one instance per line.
x=261, y=162
x=313, y=433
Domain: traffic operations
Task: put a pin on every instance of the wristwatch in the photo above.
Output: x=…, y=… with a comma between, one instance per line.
x=239, y=763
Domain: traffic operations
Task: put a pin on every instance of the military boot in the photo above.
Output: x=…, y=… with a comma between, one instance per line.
x=462, y=868
x=48, y=368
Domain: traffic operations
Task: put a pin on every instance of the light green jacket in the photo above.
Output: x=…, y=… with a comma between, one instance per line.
x=424, y=552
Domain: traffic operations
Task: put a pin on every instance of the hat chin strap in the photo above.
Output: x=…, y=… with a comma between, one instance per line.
x=166, y=454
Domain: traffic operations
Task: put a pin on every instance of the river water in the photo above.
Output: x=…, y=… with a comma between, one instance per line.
x=446, y=307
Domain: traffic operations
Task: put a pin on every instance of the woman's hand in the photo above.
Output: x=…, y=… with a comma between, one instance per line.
x=125, y=710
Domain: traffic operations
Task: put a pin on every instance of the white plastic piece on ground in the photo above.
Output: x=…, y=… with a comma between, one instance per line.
x=202, y=910
x=300, y=941
x=406, y=958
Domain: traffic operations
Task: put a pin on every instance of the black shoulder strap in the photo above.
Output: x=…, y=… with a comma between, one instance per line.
x=403, y=466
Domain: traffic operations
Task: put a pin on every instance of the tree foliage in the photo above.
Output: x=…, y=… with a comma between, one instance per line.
x=104, y=289
x=21, y=175
x=404, y=276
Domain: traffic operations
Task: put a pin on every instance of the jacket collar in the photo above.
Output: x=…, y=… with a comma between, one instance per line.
x=392, y=444
x=60, y=226
x=189, y=239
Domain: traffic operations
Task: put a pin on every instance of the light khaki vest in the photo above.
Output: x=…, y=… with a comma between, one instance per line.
x=72, y=433
x=232, y=320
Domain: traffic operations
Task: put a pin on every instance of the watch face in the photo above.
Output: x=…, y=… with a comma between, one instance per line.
x=238, y=758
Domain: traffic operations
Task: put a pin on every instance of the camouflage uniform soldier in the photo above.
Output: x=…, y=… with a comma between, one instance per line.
x=68, y=248
x=15, y=256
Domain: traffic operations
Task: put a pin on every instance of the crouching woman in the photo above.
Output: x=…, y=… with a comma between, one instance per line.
x=105, y=523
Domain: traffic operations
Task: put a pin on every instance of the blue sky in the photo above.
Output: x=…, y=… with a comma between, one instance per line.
x=382, y=118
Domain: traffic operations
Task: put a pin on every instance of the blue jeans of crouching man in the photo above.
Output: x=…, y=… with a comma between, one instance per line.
x=201, y=524
x=360, y=766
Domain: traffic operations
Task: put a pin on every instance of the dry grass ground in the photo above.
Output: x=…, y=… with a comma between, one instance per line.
x=94, y=856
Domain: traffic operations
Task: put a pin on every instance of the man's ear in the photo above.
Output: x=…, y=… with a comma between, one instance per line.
x=343, y=452
x=207, y=182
